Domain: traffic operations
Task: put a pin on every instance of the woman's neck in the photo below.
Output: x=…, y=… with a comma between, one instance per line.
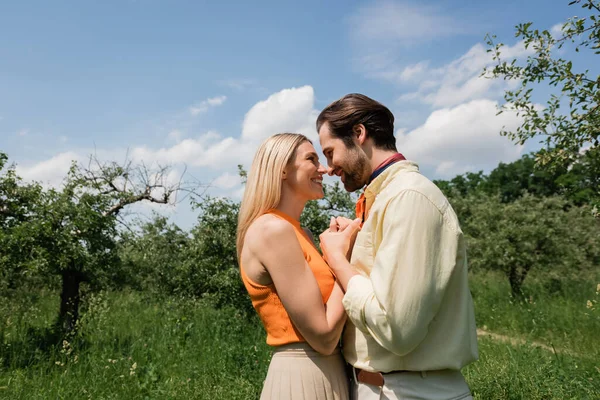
x=291, y=206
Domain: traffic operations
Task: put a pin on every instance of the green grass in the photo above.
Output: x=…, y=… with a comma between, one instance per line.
x=553, y=312
x=133, y=346
x=505, y=371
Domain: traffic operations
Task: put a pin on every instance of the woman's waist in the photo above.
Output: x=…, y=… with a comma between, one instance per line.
x=300, y=349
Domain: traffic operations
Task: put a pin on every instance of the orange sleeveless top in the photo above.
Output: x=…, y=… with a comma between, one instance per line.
x=280, y=329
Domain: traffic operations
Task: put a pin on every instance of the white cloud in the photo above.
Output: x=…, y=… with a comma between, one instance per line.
x=175, y=135
x=216, y=101
x=464, y=138
x=239, y=193
x=290, y=110
x=227, y=181
x=414, y=71
x=383, y=33
x=460, y=80
x=239, y=84
x=49, y=172
x=23, y=132
x=204, y=105
x=556, y=30
x=207, y=150
x=402, y=23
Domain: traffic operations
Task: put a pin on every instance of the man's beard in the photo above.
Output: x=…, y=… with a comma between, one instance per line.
x=354, y=178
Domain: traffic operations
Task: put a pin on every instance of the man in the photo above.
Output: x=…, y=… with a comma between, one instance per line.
x=411, y=322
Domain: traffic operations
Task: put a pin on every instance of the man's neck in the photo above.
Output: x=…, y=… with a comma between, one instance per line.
x=379, y=156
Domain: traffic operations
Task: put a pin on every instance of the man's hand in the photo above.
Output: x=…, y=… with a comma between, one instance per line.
x=342, y=223
x=337, y=241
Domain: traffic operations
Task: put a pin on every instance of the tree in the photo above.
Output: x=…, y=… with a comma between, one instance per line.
x=512, y=180
x=75, y=239
x=154, y=256
x=211, y=258
x=19, y=203
x=579, y=183
x=566, y=135
x=462, y=185
x=71, y=232
x=530, y=233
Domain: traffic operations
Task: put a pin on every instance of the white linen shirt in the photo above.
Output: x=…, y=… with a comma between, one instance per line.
x=410, y=307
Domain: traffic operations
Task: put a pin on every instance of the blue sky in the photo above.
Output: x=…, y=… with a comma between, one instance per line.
x=201, y=83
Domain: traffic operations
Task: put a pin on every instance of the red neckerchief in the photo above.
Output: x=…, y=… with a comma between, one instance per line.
x=361, y=211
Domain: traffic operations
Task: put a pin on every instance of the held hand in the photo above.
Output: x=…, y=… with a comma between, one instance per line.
x=338, y=243
x=342, y=223
x=333, y=225
x=338, y=224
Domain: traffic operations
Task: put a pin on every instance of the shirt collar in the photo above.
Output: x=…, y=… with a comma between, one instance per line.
x=385, y=177
x=386, y=164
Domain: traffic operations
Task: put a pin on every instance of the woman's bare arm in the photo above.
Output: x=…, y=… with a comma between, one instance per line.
x=279, y=251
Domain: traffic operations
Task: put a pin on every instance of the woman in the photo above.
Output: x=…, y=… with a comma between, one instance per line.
x=291, y=287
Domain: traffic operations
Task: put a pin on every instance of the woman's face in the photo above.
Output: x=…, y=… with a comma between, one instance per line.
x=305, y=175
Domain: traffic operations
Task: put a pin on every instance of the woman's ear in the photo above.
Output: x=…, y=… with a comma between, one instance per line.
x=284, y=175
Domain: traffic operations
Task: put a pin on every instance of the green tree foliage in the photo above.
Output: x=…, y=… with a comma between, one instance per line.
x=153, y=256
x=200, y=263
x=529, y=233
x=581, y=183
x=19, y=202
x=76, y=241
x=69, y=234
x=565, y=133
x=578, y=183
x=211, y=257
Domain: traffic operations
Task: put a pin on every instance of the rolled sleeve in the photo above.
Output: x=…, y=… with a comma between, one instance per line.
x=413, y=261
x=358, y=292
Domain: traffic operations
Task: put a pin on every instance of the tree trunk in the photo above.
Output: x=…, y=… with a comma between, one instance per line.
x=69, y=301
x=515, y=282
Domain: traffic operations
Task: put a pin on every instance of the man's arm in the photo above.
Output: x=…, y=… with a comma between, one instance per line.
x=412, y=266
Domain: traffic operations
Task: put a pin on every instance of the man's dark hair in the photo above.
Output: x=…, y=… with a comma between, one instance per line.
x=353, y=109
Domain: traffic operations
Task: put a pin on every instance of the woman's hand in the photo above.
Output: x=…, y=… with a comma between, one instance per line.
x=337, y=241
x=340, y=224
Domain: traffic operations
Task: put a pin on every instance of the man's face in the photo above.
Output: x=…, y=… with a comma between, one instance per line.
x=349, y=163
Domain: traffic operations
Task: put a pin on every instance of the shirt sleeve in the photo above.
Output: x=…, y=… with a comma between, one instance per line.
x=413, y=261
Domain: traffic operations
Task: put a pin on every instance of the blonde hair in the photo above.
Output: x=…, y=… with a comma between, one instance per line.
x=263, y=186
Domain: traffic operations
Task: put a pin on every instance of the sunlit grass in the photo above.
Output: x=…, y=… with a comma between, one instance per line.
x=133, y=346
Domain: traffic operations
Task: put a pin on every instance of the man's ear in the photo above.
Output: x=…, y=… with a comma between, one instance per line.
x=360, y=133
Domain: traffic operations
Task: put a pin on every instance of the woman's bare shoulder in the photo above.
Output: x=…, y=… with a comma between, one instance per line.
x=268, y=230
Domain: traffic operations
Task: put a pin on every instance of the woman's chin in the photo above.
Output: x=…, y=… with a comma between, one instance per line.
x=318, y=196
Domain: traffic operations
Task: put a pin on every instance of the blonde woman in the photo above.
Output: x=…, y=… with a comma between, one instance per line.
x=290, y=285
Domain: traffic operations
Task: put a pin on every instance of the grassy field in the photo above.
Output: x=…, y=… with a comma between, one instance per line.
x=133, y=346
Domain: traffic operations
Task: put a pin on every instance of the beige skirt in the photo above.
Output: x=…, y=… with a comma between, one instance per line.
x=297, y=372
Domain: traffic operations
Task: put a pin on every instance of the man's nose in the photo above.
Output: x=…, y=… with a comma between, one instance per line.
x=331, y=171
